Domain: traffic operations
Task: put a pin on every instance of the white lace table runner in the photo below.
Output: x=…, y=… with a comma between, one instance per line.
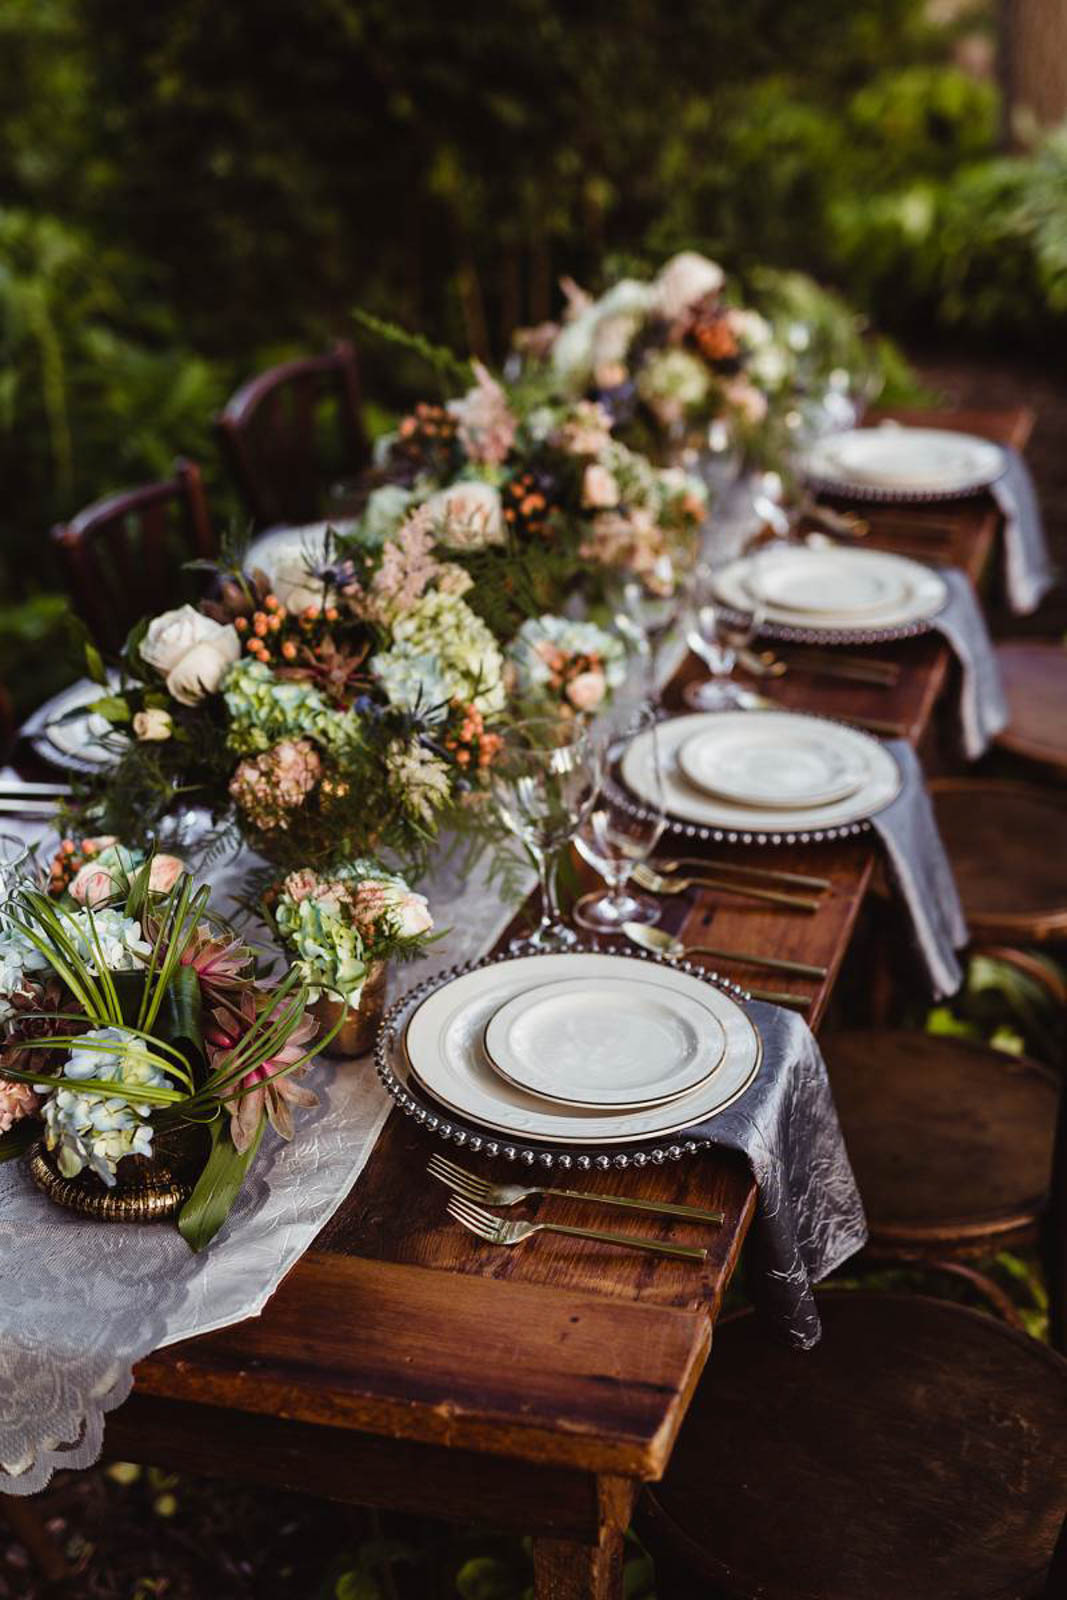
x=82, y=1302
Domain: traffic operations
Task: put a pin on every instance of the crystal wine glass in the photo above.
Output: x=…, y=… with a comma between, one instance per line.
x=716, y=633
x=613, y=839
x=544, y=780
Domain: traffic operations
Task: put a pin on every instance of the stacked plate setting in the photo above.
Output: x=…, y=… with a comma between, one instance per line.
x=763, y=772
x=581, y=1049
x=832, y=590
x=891, y=462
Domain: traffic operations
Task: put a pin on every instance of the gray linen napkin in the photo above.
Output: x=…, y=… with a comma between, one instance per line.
x=983, y=708
x=1028, y=570
x=908, y=829
x=809, y=1215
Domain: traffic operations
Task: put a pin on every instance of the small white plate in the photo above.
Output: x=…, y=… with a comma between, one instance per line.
x=445, y=1052
x=915, y=461
x=828, y=582
x=78, y=743
x=751, y=764
x=687, y=803
x=912, y=593
x=605, y=1043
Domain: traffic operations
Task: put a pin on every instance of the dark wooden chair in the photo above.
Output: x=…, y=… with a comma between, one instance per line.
x=123, y=556
x=918, y=1453
x=1035, y=681
x=1008, y=845
x=290, y=432
x=953, y=1147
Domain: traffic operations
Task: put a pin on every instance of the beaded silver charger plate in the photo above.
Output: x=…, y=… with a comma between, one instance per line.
x=925, y=464
x=396, y=1073
x=844, y=819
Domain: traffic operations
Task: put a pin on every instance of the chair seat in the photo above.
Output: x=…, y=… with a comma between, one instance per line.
x=1008, y=846
x=951, y=1142
x=919, y=1452
x=1035, y=682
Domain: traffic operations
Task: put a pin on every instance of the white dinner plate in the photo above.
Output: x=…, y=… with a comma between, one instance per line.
x=915, y=461
x=70, y=737
x=909, y=591
x=793, y=764
x=290, y=557
x=828, y=582
x=605, y=1043
x=445, y=1052
x=688, y=803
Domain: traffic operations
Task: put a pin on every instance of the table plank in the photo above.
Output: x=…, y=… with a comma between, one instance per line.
x=536, y=1373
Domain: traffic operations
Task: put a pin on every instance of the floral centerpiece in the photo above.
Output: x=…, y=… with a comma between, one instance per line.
x=573, y=665
x=347, y=726
x=340, y=930
x=141, y=1057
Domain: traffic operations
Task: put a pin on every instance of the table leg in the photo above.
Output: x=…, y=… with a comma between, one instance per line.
x=565, y=1570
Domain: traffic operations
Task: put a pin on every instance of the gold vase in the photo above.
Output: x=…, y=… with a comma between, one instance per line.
x=356, y=1035
x=147, y=1188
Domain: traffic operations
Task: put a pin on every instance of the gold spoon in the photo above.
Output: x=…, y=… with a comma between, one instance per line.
x=661, y=943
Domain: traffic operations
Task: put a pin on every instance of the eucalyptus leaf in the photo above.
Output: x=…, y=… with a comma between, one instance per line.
x=218, y=1186
x=113, y=707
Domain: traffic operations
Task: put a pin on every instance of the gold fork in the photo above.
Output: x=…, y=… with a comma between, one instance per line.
x=495, y=1230
x=470, y=1187
x=799, y=880
x=644, y=876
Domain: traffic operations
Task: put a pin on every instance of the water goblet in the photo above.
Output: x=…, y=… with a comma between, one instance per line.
x=543, y=781
x=716, y=633
x=614, y=837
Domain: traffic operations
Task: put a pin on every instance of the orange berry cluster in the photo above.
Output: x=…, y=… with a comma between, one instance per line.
x=262, y=628
x=525, y=505
x=471, y=746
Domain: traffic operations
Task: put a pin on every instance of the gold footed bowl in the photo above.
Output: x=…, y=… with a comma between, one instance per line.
x=358, y=1031
x=147, y=1189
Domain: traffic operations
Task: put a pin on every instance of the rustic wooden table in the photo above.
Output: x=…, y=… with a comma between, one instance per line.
x=403, y=1365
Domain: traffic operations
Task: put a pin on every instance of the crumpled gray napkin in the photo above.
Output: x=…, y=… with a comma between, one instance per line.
x=1028, y=569
x=908, y=829
x=809, y=1215
x=983, y=708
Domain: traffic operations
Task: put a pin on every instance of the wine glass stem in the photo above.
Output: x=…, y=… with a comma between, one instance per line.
x=620, y=877
x=550, y=917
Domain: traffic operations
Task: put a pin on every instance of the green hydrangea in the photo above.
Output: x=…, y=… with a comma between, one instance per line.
x=328, y=948
x=442, y=647
x=265, y=709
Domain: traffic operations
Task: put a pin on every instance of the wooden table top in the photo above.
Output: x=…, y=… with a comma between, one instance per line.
x=563, y=1353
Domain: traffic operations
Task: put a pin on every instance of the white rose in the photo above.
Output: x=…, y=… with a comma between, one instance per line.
x=685, y=279
x=411, y=914
x=599, y=487
x=469, y=515
x=153, y=726
x=191, y=650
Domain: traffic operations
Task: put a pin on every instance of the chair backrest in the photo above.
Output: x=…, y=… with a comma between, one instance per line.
x=123, y=556
x=293, y=430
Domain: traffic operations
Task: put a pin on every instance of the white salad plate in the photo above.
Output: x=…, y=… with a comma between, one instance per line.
x=731, y=730
x=916, y=462
x=445, y=1051
x=827, y=582
x=605, y=1043
x=748, y=764
x=64, y=732
x=856, y=590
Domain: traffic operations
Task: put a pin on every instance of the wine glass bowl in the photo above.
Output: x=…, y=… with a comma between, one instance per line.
x=543, y=782
x=614, y=838
x=716, y=633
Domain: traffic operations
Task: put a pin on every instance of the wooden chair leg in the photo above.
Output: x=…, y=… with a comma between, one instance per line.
x=27, y=1525
x=564, y=1570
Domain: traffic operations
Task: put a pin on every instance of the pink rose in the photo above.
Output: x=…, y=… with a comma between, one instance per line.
x=17, y=1100
x=587, y=690
x=599, y=487
x=164, y=873
x=301, y=885
x=92, y=885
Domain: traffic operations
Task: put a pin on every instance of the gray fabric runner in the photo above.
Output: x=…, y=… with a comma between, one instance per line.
x=908, y=829
x=1028, y=570
x=983, y=708
x=809, y=1216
